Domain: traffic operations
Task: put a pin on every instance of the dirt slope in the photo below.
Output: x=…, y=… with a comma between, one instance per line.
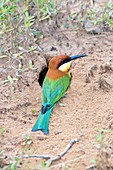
x=87, y=107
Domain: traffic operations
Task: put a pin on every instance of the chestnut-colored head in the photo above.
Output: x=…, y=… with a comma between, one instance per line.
x=56, y=61
x=60, y=65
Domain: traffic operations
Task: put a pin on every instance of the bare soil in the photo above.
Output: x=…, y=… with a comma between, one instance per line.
x=87, y=107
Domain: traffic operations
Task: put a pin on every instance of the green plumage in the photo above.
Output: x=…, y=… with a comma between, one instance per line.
x=52, y=91
x=54, y=86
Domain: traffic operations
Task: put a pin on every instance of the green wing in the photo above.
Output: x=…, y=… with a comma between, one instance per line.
x=52, y=91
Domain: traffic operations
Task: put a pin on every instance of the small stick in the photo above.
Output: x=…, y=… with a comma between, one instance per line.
x=93, y=167
x=51, y=159
x=3, y=56
x=36, y=156
x=71, y=143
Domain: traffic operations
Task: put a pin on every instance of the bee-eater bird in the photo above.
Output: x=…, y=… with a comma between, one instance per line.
x=55, y=84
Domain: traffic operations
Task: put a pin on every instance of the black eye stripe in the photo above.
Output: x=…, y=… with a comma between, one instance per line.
x=63, y=62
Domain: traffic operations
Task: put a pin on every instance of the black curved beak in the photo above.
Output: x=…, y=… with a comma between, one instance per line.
x=77, y=56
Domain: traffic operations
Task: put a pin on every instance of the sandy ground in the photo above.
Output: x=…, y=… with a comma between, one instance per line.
x=86, y=109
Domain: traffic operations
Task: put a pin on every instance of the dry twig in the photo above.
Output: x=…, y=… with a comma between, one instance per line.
x=91, y=167
x=50, y=158
x=71, y=143
x=37, y=156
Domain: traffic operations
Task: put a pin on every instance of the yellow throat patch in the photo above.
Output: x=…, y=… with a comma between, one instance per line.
x=65, y=67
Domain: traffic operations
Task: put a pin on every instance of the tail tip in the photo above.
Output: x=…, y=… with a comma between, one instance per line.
x=43, y=130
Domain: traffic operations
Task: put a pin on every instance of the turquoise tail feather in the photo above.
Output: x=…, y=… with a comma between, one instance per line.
x=42, y=122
